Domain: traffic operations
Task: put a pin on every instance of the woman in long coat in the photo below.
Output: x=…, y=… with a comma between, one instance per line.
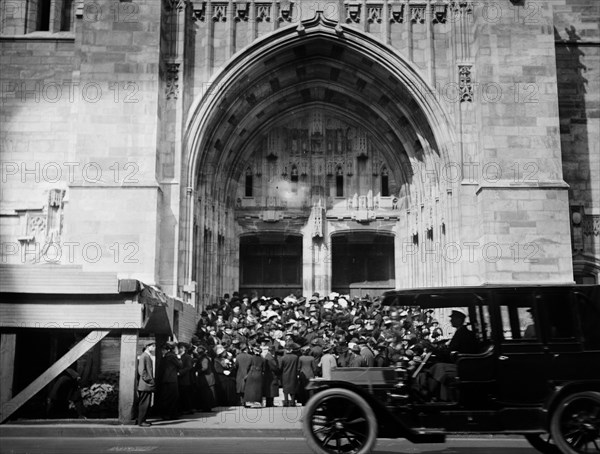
x=254, y=381
x=307, y=367
x=270, y=377
x=226, y=391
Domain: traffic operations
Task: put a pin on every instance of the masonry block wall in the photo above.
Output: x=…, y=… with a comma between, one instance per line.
x=82, y=106
x=95, y=103
x=577, y=40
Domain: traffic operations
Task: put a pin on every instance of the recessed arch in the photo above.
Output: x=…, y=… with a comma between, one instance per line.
x=318, y=65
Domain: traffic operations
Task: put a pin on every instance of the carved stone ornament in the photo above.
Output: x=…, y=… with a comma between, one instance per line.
x=353, y=13
x=440, y=13
x=397, y=13
x=374, y=14
x=461, y=9
x=241, y=12
x=263, y=12
x=219, y=13
x=285, y=12
x=175, y=5
x=417, y=14
x=465, y=83
x=172, y=90
x=199, y=11
x=591, y=225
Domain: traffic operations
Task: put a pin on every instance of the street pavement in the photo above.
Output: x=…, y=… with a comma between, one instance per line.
x=226, y=430
x=228, y=445
x=237, y=421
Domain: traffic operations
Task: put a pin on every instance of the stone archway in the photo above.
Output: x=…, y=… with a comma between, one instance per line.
x=315, y=72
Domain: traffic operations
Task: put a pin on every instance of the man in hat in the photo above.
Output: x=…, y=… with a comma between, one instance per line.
x=357, y=360
x=442, y=375
x=344, y=355
x=366, y=353
x=185, y=377
x=243, y=362
x=146, y=385
x=289, y=374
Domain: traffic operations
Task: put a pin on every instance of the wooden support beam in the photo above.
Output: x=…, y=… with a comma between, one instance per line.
x=129, y=341
x=8, y=343
x=51, y=373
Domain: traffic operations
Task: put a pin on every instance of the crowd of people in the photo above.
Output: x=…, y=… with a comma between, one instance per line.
x=247, y=348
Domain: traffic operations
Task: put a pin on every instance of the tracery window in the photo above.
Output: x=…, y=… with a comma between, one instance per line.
x=249, y=183
x=385, y=182
x=339, y=182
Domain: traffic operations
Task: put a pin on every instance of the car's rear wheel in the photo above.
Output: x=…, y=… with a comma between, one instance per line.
x=575, y=424
x=543, y=443
x=339, y=421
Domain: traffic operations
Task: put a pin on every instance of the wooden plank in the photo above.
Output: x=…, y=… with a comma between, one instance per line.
x=56, y=279
x=8, y=343
x=71, y=316
x=127, y=375
x=51, y=373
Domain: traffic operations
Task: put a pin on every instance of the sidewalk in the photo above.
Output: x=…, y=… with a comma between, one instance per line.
x=222, y=422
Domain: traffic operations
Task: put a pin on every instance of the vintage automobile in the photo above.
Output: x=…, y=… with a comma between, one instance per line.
x=536, y=373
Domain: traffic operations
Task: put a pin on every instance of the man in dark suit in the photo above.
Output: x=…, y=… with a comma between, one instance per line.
x=442, y=374
x=146, y=385
x=185, y=378
x=289, y=374
x=243, y=361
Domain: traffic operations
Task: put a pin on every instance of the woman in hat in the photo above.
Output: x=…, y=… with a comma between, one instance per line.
x=207, y=398
x=327, y=362
x=225, y=381
x=254, y=380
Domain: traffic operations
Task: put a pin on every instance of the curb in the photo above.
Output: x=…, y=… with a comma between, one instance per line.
x=135, y=431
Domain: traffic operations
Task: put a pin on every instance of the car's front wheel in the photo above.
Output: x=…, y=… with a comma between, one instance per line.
x=339, y=421
x=575, y=424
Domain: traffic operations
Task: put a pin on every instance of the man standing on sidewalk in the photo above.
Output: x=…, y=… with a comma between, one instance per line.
x=146, y=384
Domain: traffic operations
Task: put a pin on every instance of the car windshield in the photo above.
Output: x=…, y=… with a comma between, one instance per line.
x=433, y=319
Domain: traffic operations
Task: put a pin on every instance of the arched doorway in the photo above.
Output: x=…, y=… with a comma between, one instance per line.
x=270, y=264
x=316, y=128
x=362, y=263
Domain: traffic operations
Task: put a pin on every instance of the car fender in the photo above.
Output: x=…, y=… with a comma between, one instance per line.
x=561, y=390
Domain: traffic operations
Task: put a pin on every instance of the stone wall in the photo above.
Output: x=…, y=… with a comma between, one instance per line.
x=577, y=38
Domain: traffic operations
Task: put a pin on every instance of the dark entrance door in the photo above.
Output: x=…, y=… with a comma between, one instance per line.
x=363, y=263
x=271, y=264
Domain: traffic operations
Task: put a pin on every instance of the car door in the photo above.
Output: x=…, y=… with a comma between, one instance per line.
x=521, y=361
x=562, y=335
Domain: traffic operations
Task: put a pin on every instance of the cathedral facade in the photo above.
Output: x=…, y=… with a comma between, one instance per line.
x=273, y=147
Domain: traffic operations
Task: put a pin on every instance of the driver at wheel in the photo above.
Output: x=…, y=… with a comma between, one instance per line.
x=442, y=374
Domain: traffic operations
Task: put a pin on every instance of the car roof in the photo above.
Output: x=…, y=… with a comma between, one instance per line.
x=429, y=296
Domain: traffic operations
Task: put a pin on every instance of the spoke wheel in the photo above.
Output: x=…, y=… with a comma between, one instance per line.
x=338, y=421
x=575, y=425
x=543, y=443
